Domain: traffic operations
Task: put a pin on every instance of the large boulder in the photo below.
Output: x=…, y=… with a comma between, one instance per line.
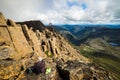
x=75, y=70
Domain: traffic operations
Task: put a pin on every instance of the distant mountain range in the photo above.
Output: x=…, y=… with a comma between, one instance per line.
x=78, y=34
x=100, y=43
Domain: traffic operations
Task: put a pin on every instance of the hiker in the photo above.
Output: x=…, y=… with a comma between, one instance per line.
x=39, y=67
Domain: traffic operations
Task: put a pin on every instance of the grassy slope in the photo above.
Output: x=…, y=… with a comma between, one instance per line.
x=106, y=61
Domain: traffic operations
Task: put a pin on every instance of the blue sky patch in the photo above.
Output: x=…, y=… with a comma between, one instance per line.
x=84, y=6
x=70, y=4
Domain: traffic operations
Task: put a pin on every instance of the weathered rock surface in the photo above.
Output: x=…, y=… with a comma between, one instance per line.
x=22, y=44
x=75, y=70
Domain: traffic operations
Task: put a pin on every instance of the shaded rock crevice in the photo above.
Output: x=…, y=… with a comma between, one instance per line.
x=64, y=74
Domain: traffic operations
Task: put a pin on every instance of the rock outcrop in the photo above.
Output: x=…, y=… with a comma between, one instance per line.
x=22, y=44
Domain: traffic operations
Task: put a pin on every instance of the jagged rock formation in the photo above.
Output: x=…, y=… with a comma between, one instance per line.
x=22, y=44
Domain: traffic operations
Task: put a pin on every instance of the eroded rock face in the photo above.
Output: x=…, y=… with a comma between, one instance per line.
x=22, y=44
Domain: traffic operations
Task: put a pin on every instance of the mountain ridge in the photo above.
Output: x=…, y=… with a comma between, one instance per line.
x=22, y=44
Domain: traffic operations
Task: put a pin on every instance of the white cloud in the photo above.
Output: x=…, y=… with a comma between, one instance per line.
x=62, y=11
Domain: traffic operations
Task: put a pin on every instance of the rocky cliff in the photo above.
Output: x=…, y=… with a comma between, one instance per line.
x=22, y=44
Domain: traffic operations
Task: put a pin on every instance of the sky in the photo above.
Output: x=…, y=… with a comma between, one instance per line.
x=62, y=11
